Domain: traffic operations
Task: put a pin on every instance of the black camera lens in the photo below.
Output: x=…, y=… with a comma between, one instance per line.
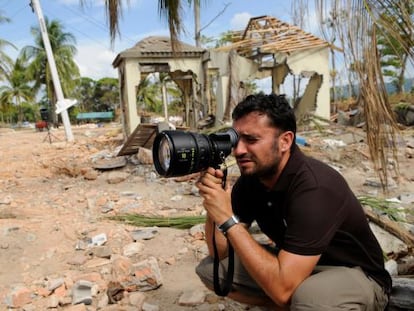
x=178, y=153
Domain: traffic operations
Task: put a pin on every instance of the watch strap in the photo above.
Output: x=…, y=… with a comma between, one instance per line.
x=224, y=227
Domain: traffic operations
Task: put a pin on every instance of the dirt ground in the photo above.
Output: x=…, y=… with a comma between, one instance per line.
x=51, y=197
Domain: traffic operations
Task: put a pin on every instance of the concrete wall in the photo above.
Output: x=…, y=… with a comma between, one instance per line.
x=245, y=68
x=132, y=78
x=316, y=60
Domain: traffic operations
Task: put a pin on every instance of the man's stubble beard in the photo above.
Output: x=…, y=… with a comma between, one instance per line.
x=267, y=171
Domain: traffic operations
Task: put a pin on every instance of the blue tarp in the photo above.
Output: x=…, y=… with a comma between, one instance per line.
x=95, y=115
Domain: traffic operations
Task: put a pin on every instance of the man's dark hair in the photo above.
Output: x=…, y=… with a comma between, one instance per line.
x=276, y=107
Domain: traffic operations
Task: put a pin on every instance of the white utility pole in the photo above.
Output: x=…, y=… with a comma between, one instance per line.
x=62, y=103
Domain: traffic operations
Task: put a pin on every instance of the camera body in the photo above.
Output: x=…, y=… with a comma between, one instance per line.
x=179, y=153
x=44, y=114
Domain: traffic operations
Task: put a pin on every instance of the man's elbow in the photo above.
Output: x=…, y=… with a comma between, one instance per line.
x=281, y=297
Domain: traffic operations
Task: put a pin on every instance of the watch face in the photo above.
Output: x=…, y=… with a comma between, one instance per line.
x=233, y=220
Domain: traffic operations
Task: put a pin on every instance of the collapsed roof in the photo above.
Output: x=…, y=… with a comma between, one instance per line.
x=267, y=34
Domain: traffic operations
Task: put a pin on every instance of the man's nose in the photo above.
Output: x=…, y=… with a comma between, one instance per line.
x=240, y=148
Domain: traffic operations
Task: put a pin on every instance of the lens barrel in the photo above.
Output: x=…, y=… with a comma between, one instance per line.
x=188, y=153
x=178, y=153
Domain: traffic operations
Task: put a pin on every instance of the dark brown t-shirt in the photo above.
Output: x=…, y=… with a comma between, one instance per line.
x=312, y=211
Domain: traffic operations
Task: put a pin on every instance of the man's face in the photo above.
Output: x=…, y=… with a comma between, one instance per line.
x=257, y=152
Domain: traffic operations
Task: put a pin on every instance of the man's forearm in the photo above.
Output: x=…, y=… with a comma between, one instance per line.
x=261, y=265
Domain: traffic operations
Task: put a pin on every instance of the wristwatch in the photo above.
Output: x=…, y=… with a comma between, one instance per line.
x=224, y=227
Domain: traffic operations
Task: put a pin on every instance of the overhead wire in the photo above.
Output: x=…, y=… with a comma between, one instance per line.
x=17, y=11
x=95, y=21
x=78, y=12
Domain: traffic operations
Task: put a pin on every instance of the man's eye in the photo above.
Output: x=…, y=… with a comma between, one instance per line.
x=251, y=140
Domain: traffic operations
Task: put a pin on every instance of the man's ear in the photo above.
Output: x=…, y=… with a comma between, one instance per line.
x=286, y=141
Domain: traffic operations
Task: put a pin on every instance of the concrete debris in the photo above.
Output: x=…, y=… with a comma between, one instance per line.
x=132, y=249
x=98, y=240
x=18, y=297
x=144, y=234
x=192, y=298
x=144, y=156
x=82, y=292
x=116, y=177
x=55, y=283
x=150, y=307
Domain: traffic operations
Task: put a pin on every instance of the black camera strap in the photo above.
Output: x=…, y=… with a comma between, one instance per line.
x=230, y=270
x=230, y=267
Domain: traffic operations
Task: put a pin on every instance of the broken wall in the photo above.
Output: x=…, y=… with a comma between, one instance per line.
x=129, y=71
x=232, y=69
x=312, y=60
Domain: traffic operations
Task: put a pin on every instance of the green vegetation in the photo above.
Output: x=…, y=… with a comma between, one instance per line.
x=184, y=222
x=383, y=206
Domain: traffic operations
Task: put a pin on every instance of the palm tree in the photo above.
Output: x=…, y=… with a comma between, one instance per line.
x=148, y=95
x=63, y=47
x=17, y=89
x=171, y=10
x=5, y=61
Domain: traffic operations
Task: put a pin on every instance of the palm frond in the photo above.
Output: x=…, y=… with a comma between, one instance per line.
x=356, y=26
x=184, y=222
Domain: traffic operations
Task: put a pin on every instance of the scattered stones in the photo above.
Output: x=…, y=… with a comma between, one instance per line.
x=82, y=292
x=132, y=249
x=177, y=198
x=18, y=297
x=55, y=283
x=144, y=234
x=77, y=260
x=115, y=292
x=137, y=299
x=150, y=307
x=101, y=251
x=147, y=275
x=376, y=183
x=108, y=207
x=6, y=200
x=144, y=156
x=116, y=177
x=192, y=298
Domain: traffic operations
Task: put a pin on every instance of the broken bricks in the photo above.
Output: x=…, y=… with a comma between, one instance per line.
x=142, y=276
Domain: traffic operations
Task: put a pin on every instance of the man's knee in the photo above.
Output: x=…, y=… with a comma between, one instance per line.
x=337, y=288
x=204, y=270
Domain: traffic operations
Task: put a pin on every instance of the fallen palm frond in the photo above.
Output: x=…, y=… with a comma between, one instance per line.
x=181, y=222
x=383, y=206
x=388, y=222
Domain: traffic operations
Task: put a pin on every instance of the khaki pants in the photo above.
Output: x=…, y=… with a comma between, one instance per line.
x=328, y=288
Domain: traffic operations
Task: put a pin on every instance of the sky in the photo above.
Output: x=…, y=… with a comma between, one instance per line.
x=140, y=19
